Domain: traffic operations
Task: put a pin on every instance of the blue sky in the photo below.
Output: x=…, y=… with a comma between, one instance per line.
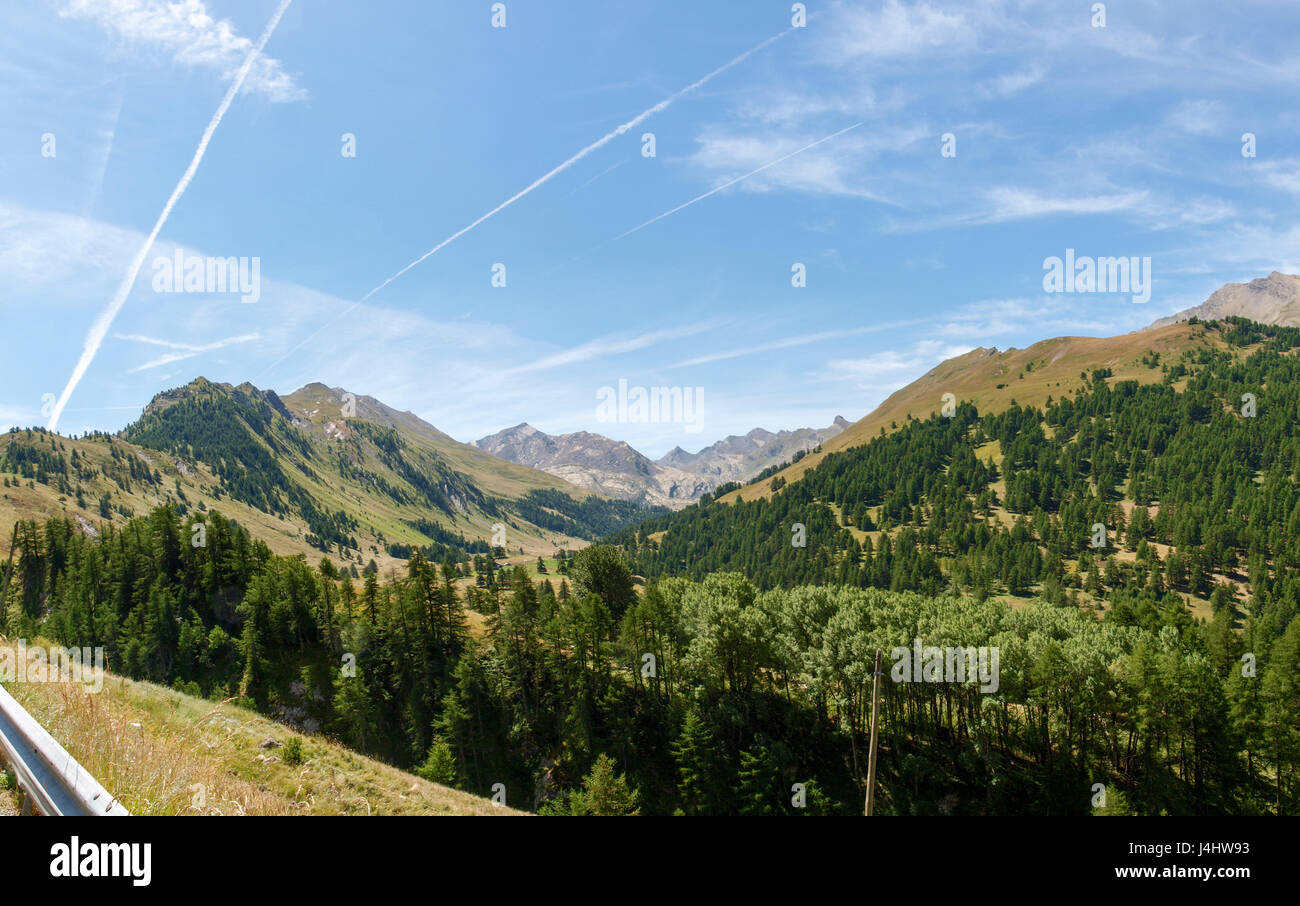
x=1120, y=140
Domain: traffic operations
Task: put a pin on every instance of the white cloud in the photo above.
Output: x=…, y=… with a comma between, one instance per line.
x=1044, y=316
x=1021, y=204
x=1281, y=174
x=47, y=249
x=15, y=417
x=1149, y=211
x=891, y=369
x=1165, y=214
x=1250, y=247
x=894, y=30
x=792, y=107
x=832, y=169
x=789, y=342
x=184, y=30
x=1197, y=117
x=1015, y=82
x=608, y=346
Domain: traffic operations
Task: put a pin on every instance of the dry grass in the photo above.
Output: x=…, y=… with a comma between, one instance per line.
x=992, y=379
x=164, y=753
x=9, y=802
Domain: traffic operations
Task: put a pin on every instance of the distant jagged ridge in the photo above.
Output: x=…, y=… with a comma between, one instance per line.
x=675, y=480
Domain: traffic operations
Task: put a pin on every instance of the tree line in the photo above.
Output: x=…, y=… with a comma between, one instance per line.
x=692, y=697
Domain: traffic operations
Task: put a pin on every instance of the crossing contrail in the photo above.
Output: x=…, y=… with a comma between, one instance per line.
x=604, y=140
x=99, y=329
x=717, y=189
x=540, y=181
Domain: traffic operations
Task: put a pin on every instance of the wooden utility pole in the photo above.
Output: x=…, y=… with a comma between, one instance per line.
x=875, y=724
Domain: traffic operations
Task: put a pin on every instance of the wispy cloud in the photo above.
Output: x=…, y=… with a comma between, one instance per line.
x=789, y=342
x=1197, y=117
x=891, y=369
x=895, y=30
x=792, y=106
x=845, y=168
x=1015, y=82
x=14, y=417
x=1041, y=317
x=782, y=159
x=607, y=346
x=187, y=32
x=1008, y=203
x=1281, y=174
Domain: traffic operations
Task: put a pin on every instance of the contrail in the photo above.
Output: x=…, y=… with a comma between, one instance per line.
x=98, y=330
x=795, y=341
x=542, y=180
x=714, y=191
x=601, y=142
x=98, y=184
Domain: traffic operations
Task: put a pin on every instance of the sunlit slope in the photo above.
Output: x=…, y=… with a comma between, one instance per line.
x=164, y=753
x=323, y=406
x=136, y=480
x=992, y=380
x=360, y=482
x=296, y=472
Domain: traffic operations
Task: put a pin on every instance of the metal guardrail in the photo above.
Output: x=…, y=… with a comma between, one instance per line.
x=50, y=778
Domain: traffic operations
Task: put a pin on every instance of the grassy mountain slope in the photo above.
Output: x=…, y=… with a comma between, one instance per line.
x=1194, y=485
x=136, y=479
x=322, y=408
x=300, y=475
x=994, y=380
x=164, y=753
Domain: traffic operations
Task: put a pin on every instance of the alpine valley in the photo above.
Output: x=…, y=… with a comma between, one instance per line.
x=1116, y=516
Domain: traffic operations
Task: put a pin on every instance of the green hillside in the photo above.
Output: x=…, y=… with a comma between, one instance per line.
x=1004, y=503
x=1120, y=560
x=371, y=486
x=994, y=380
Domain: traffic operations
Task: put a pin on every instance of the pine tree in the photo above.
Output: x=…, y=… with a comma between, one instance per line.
x=697, y=766
x=440, y=764
x=604, y=793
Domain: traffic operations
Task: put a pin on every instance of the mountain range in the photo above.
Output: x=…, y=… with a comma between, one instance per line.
x=323, y=469
x=320, y=470
x=676, y=479
x=989, y=377
x=984, y=521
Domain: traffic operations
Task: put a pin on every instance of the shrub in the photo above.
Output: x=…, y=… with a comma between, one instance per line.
x=293, y=751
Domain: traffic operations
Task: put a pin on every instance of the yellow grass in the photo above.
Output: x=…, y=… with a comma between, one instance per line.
x=992, y=380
